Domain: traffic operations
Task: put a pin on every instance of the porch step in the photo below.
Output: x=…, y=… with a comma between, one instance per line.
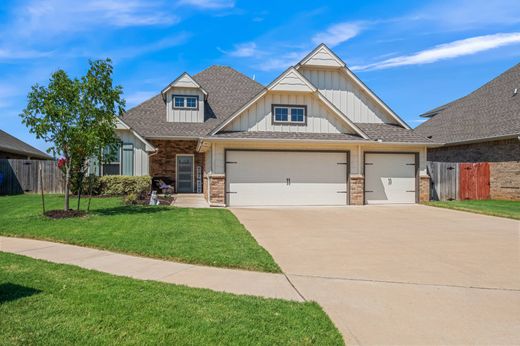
x=190, y=200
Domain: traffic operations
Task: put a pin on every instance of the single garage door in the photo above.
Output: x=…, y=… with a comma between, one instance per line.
x=390, y=178
x=255, y=178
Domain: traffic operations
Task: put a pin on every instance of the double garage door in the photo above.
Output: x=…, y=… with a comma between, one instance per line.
x=303, y=178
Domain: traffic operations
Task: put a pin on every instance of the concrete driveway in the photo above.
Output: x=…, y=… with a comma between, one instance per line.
x=400, y=274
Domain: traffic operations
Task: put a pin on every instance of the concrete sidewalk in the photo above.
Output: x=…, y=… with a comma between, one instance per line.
x=266, y=285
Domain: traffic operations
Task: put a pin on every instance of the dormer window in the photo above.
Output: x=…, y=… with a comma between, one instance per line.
x=185, y=102
x=286, y=114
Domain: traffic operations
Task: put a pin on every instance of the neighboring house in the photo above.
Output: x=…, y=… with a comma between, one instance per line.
x=483, y=126
x=316, y=135
x=13, y=148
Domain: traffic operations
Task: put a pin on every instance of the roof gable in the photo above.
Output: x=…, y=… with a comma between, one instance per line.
x=184, y=81
x=291, y=80
x=322, y=56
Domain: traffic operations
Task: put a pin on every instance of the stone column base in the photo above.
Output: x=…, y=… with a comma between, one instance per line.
x=357, y=189
x=217, y=187
x=424, y=188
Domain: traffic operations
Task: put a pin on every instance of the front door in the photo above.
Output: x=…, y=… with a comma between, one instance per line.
x=184, y=173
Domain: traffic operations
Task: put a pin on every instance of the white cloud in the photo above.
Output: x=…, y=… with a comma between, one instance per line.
x=466, y=14
x=58, y=17
x=209, y=4
x=16, y=54
x=446, y=51
x=337, y=33
x=243, y=50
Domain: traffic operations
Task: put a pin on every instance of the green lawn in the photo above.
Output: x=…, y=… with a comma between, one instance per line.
x=510, y=209
x=55, y=304
x=204, y=236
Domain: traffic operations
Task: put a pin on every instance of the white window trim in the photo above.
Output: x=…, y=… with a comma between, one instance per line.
x=185, y=103
x=289, y=119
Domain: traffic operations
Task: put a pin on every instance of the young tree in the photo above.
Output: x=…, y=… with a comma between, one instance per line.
x=76, y=116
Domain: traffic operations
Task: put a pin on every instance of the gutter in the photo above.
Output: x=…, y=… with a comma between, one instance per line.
x=333, y=141
x=483, y=139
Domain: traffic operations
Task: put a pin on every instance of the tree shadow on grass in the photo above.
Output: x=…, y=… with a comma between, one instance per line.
x=131, y=210
x=10, y=292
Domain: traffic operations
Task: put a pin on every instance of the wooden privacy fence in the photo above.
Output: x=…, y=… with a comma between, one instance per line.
x=459, y=180
x=19, y=176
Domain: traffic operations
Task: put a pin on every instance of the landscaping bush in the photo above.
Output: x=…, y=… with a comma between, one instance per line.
x=114, y=185
x=131, y=199
x=96, y=185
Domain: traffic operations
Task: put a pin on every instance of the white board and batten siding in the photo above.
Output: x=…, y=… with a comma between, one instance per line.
x=258, y=117
x=291, y=82
x=184, y=115
x=141, y=164
x=345, y=95
x=322, y=57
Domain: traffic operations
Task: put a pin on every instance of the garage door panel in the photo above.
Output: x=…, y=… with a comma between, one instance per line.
x=390, y=178
x=286, y=178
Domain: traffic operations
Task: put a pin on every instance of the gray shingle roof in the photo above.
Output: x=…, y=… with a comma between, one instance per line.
x=12, y=144
x=287, y=135
x=391, y=133
x=228, y=90
x=489, y=112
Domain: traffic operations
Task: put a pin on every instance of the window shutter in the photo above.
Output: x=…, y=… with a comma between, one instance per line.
x=128, y=159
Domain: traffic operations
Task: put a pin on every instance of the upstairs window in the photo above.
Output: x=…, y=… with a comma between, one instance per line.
x=185, y=102
x=289, y=114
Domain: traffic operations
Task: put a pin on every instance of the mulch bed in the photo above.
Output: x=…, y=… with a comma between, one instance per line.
x=63, y=214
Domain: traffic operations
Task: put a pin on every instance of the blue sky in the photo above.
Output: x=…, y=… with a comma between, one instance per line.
x=414, y=55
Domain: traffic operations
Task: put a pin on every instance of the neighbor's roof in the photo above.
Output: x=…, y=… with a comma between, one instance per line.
x=12, y=144
x=227, y=89
x=492, y=111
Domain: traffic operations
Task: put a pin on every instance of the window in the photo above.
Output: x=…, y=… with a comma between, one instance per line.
x=289, y=114
x=281, y=114
x=185, y=102
x=113, y=167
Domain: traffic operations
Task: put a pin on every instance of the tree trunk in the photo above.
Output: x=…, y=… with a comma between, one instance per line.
x=89, y=191
x=67, y=178
x=80, y=187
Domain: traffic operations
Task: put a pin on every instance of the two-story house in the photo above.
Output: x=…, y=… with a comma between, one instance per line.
x=316, y=135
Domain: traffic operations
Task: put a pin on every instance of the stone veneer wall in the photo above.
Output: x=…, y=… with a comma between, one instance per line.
x=504, y=161
x=218, y=190
x=424, y=189
x=357, y=190
x=163, y=164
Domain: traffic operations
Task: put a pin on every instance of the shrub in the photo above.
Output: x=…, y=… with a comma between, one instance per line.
x=96, y=185
x=125, y=185
x=131, y=199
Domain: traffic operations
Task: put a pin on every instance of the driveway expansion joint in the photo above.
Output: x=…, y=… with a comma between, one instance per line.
x=405, y=283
